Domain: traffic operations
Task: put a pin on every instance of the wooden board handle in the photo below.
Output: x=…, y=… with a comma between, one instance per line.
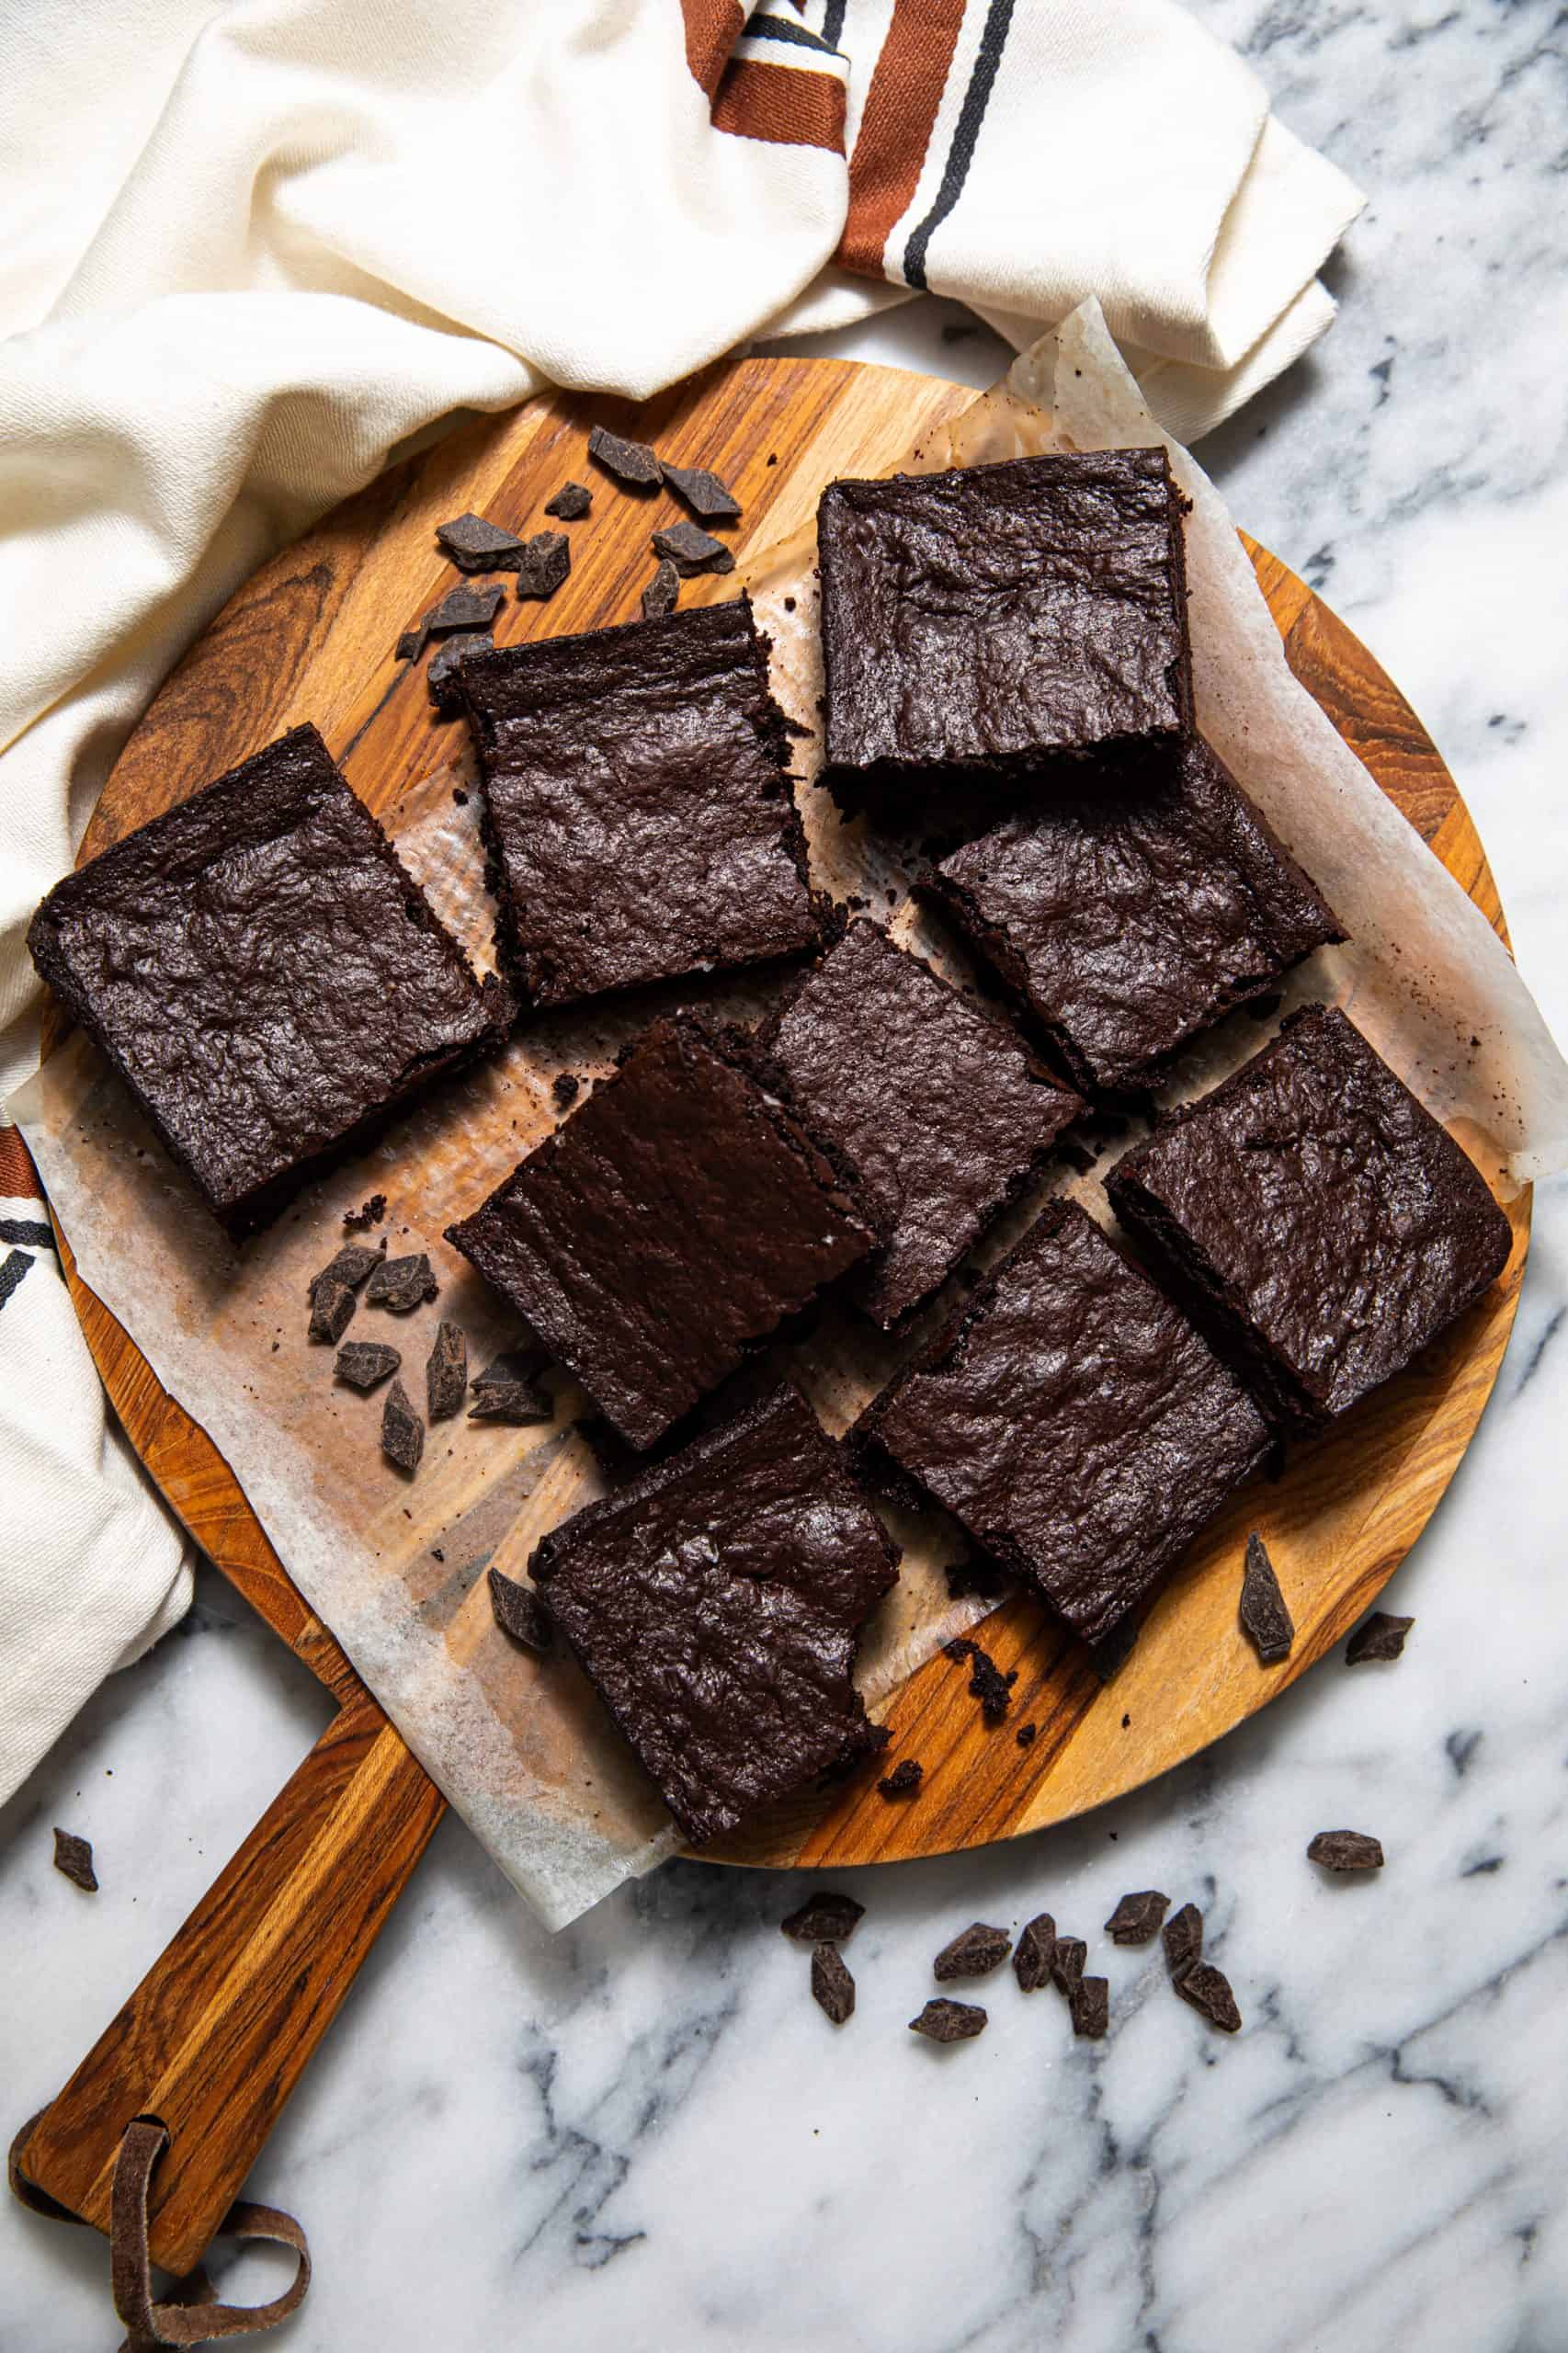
x=214, y=2038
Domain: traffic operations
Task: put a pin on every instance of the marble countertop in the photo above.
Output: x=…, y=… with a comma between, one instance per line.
x=641, y=2135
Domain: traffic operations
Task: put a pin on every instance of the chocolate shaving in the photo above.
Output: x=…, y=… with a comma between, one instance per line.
x=631, y=463
x=662, y=594
x=1382, y=1636
x=833, y=1988
x=1346, y=1850
x=1088, y=2003
x=73, y=1858
x=543, y=564
x=403, y=1432
x=520, y=1613
x=904, y=1780
x=369, y=1214
x=1266, y=1620
x=332, y=1310
x=442, y=680
x=365, y=1364
x=352, y=1265
x=566, y=1086
x=402, y=1284
x=1034, y=1953
x=975, y=1952
x=944, y=2022
x=703, y=492
x=1067, y=1958
x=445, y=1373
x=987, y=1683
x=570, y=501
x=1182, y=1938
x=475, y=545
x=692, y=550
x=464, y=608
x=825, y=1918
x=1209, y=1991
x=1136, y=1920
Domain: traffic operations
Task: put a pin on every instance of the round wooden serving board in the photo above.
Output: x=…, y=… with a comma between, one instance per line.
x=311, y=637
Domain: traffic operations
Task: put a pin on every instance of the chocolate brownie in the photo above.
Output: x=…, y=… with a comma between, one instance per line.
x=994, y=619
x=939, y=1105
x=1316, y=1217
x=1125, y=917
x=636, y=805
x=715, y=1603
x=668, y=1227
x=264, y=976
x=1073, y=1421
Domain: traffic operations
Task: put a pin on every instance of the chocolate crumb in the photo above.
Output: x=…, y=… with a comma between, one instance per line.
x=445, y=1373
x=1266, y=1620
x=1067, y=1958
x=544, y=564
x=402, y=1284
x=943, y=2021
x=825, y=1918
x=332, y=1310
x=475, y=545
x=692, y=550
x=1209, y=1991
x=631, y=463
x=403, y=1432
x=369, y=1214
x=1034, y=1953
x=1136, y=1920
x=833, y=1988
x=1027, y=1734
x=975, y=1952
x=464, y=608
x=703, y=492
x=436, y=1553
x=1382, y=1636
x=987, y=1683
x=1088, y=2002
x=1183, y=1939
x=564, y=1087
x=365, y=1364
x=441, y=678
x=662, y=594
x=73, y=1858
x=520, y=1613
x=1346, y=1850
x=904, y=1778
x=459, y=798
x=570, y=501
x=789, y=601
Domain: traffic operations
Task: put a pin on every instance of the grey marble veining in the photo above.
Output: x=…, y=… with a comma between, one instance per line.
x=641, y=2135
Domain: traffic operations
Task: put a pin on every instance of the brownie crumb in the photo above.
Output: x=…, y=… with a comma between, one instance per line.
x=975, y=1952
x=1034, y=1953
x=1382, y=1636
x=904, y=1780
x=632, y=463
x=789, y=601
x=1067, y=1958
x=367, y=1214
x=1136, y=1920
x=570, y=501
x=441, y=678
x=987, y=1683
x=1266, y=1620
x=825, y=1918
x=445, y=1373
x=403, y=1432
x=662, y=594
x=692, y=550
x=833, y=1988
x=411, y=644
x=402, y=1284
x=365, y=1364
x=459, y=798
x=706, y=495
x=520, y=1613
x=332, y=1310
x=1088, y=2004
x=1027, y=1734
x=73, y=1858
x=1346, y=1850
x=944, y=2022
x=1183, y=1939
x=475, y=545
x=1209, y=1991
x=544, y=564
x=564, y=1087
x=464, y=608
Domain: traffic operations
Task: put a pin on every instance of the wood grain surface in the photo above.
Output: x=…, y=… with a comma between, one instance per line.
x=214, y=2039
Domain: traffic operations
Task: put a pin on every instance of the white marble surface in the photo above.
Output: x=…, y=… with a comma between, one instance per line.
x=642, y=2135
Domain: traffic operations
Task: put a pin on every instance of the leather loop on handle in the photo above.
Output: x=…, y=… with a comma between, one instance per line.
x=191, y=2315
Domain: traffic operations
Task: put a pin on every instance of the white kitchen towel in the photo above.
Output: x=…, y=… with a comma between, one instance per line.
x=251, y=248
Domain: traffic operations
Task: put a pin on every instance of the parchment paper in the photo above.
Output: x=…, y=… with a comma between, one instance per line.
x=396, y=1568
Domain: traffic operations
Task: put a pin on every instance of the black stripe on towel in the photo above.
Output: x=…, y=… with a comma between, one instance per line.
x=13, y=1266
x=29, y=1229
x=971, y=114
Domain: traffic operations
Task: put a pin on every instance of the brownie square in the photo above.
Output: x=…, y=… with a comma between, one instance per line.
x=937, y=1104
x=1128, y=919
x=1317, y=1218
x=715, y=1603
x=1074, y=1423
x=993, y=618
x=264, y=976
x=668, y=1227
x=636, y=805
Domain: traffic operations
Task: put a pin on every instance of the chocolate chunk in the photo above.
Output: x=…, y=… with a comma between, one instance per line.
x=1266, y=1620
x=986, y=1682
x=1346, y=1850
x=1209, y=1991
x=441, y=678
x=825, y=1918
x=352, y=1265
x=1027, y=1734
x=1136, y=1920
x=544, y=565
x=1182, y=1938
x=445, y=1373
x=833, y=1988
x=510, y=1367
x=975, y=1953
x=402, y=1284
x=564, y=1087
x=692, y=550
x=703, y=492
x=943, y=2021
x=517, y=1402
x=332, y=1310
x=520, y=1613
x=411, y=644
x=570, y=501
x=1067, y=1960
x=631, y=463
x=904, y=1778
x=74, y=1856
x=662, y=593
x=1379, y=1637
x=403, y=1432
x=365, y=1364
x=464, y=608
x=1088, y=2001
x=1034, y=1953
x=369, y=1214
x=475, y=545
